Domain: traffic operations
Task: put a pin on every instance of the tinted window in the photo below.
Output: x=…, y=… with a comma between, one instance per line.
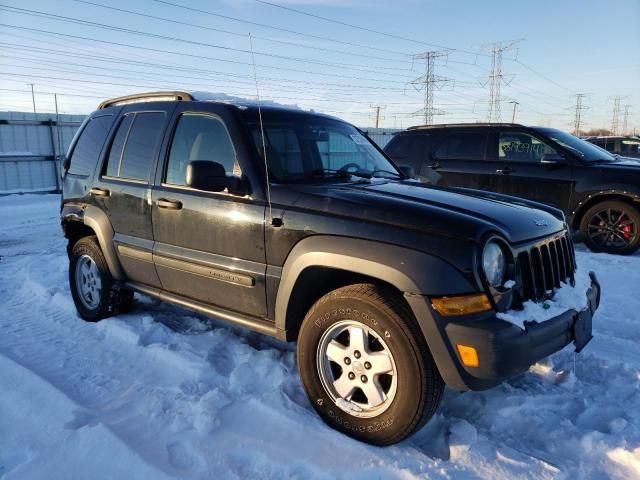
x=521, y=147
x=283, y=150
x=115, y=153
x=463, y=146
x=409, y=150
x=142, y=145
x=199, y=137
x=87, y=149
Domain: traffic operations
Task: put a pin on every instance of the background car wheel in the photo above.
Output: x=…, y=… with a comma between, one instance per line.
x=611, y=227
x=365, y=365
x=92, y=286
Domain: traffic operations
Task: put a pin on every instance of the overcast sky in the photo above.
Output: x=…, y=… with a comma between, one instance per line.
x=560, y=48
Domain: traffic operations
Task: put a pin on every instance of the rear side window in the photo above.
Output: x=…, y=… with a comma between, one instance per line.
x=87, y=149
x=117, y=146
x=463, y=146
x=135, y=145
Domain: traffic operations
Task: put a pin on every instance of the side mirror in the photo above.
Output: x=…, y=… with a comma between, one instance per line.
x=209, y=176
x=66, y=162
x=407, y=171
x=552, y=159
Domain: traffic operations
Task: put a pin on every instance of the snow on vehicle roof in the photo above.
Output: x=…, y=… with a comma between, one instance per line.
x=240, y=102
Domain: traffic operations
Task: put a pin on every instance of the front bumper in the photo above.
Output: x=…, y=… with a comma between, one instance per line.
x=504, y=349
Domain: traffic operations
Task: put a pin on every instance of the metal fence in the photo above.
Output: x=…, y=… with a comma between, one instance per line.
x=31, y=149
x=32, y=146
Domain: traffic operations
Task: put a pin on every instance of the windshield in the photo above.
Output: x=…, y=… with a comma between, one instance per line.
x=585, y=150
x=311, y=148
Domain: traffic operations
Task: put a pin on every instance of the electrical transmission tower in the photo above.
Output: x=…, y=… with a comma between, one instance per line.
x=429, y=82
x=580, y=106
x=496, y=78
x=625, y=122
x=615, y=121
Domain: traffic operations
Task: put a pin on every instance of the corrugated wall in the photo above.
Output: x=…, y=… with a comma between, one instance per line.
x=30, y=157
x=30, y=150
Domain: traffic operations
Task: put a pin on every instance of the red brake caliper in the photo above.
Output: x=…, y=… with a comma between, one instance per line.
x=626, y=230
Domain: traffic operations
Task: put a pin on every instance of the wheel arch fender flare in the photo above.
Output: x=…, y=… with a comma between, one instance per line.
x=590, y=199
x=98, y=221
x=410, y=271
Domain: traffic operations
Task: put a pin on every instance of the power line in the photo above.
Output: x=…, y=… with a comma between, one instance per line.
x=191, y=55
x=62, y=18
x=358, y=27
x=542, y=76
x=228, y=32
x=272, y=27
x=190, y=70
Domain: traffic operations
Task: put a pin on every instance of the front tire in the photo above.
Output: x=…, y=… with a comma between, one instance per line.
x=611, y=227
x=365, y=365
x=92, y=286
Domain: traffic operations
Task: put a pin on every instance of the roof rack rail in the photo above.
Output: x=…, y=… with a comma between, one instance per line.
x=473, y=124
x=146, y=97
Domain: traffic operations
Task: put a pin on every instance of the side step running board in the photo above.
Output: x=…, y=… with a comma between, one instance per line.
x=253, y=323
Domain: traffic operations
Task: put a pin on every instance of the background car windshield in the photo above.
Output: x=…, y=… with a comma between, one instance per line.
x=585, y=150
x=308, y=148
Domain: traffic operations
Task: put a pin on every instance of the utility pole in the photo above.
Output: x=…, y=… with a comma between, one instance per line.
x=513, y=115
x=33, y=97
x=625, y=122
x=377, y=116
x=578, y=116
x=429, y=82
x=496, y=78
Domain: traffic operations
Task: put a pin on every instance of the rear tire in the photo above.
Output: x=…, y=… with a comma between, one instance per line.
x=611, y=227
x=382, y=394
x=92, y=286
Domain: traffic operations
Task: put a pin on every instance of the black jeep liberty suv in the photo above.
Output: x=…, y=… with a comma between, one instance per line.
x=296, y=225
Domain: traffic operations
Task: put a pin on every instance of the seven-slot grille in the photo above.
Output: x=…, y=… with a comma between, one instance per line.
x=545, y=265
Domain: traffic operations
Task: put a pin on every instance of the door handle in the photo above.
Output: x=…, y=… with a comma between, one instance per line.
x=434, y=166
x=169, y=204
x=100, y=192
x=504, y=171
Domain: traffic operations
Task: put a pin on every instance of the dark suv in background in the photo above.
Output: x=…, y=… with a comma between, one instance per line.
x=622, y=146
x=599, y=192
x=296, y=225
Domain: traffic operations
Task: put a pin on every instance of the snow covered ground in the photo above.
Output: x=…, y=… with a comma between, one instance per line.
x=164, y=393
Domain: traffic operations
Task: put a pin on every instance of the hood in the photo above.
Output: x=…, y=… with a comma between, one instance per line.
x=633, y=164
x=455, y=212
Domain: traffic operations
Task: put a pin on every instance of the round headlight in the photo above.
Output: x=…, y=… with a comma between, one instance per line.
x=494, y=264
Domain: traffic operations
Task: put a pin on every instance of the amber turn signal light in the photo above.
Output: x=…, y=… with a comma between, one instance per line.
x=461, y=304
x=468, y=355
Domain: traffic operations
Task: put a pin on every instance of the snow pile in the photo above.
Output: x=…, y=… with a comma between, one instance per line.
x=565, y=298
x=164, y=393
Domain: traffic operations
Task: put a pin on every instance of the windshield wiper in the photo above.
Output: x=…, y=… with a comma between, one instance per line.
x=395, y=174
x=319, y=172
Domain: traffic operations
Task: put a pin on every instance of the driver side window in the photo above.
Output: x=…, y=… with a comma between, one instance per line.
x=521, y=147
x=199, y=137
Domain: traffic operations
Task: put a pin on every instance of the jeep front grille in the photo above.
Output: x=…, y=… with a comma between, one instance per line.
x=544, y=265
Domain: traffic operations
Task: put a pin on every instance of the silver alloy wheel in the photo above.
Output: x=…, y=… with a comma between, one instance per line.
x=357, y=369
x=88, y=282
